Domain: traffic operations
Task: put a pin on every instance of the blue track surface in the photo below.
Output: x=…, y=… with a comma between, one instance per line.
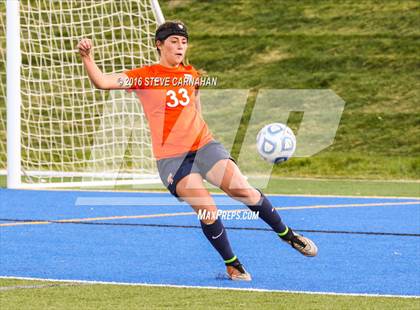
x=347, y=263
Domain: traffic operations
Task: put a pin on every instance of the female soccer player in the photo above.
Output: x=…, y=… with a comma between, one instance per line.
x=184, y=147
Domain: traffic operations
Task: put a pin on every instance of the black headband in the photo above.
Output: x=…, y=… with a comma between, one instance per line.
x=173, y=29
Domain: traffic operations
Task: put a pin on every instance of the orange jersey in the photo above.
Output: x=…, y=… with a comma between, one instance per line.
x=168, y=99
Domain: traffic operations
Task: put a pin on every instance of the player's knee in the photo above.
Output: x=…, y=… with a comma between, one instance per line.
x=238, y=188
x=250, y=196
x=238, y=193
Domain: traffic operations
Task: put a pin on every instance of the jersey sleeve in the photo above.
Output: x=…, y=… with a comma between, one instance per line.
x=136, y=77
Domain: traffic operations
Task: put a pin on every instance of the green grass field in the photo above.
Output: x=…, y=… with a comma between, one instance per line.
x=97, y=296
x=299, y=186
x=366, y=52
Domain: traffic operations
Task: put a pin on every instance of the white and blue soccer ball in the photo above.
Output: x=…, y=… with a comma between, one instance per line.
x=276, y=143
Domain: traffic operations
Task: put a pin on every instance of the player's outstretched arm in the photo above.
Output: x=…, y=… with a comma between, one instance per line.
x=99, y=79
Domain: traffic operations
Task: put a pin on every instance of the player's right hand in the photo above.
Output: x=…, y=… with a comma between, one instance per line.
x=85, y=47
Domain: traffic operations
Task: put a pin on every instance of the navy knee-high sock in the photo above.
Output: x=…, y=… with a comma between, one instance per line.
x=269, y=214
x=217, y=235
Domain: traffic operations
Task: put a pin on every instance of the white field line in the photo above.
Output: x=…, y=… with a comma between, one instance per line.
x=157, y=215
x=160, y=191
x=4, y=172
x=212, y=287
x=20, y=287
x=337, y=179
x=108, y=218
x=225, y=201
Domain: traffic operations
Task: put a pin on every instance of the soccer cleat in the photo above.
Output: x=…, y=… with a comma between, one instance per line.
x=303, y=245
x=237, y=272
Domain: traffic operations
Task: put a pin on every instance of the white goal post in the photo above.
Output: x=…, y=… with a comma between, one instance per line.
x=61, y=132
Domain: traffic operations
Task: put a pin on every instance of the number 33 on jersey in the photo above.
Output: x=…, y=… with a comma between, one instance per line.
x=175, y=124
x=173, y=99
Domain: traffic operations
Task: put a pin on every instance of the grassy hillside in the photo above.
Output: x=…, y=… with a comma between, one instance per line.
x=366, y=52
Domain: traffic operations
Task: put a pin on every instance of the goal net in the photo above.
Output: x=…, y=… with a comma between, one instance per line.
x=70, y=133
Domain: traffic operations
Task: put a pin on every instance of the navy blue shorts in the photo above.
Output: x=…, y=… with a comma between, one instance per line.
x=173, y=169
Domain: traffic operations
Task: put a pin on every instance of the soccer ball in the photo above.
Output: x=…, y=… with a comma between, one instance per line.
x=276, y=143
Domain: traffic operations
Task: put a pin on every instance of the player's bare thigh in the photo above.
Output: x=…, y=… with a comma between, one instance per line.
x=225, y=174
x=191, y=189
